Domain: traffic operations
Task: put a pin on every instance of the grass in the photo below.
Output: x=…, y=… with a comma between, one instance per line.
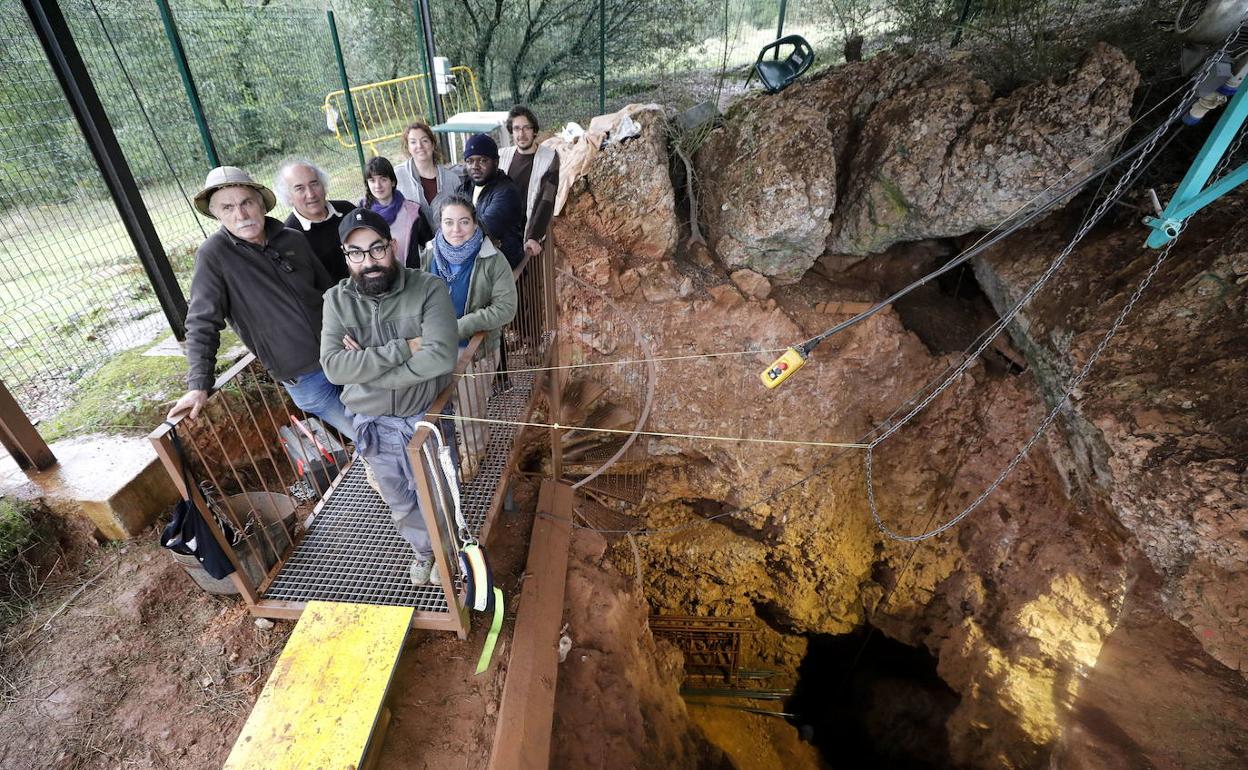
x=131, y=393
x=16, y=530
x=18, y=536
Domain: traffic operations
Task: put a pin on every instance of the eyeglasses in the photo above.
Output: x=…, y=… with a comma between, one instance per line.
x=378, y=253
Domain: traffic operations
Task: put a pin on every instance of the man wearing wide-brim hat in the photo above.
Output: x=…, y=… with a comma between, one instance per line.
x=264, y=280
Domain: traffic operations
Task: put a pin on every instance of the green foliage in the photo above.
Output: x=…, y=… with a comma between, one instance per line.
x=16, y=531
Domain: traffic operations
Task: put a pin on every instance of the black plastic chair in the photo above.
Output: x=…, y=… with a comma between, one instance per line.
x=779, y=74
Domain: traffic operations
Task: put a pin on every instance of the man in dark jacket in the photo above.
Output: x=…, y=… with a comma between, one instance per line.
x=304, y=187
x=265, y=281
x=500, y=204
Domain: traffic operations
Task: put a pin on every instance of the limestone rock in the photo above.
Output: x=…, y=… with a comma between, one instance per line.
x=945, y=158
x=751, y=284
x=893, y=149
x=771, y=186
x=626, y=193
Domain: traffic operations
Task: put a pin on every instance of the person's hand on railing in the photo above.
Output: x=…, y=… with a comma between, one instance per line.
x=532, y=247
x=192, y=402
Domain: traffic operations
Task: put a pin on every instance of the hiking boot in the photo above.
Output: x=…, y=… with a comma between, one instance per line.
x=370, y=477
x=423, y=572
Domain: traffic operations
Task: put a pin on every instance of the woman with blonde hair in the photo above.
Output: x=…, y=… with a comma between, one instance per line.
x=421, y=179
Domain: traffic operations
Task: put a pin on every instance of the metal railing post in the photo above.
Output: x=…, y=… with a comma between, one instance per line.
x=346, y=90
x=556, y=380
x=188, y=82
x=421, y=10
x=780, y=27
x=75, y=81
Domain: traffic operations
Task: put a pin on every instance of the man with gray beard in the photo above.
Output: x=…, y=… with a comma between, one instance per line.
x=390, y=339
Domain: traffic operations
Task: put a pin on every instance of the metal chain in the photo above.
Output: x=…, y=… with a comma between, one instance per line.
x=1044, y=424
x=1114, y=195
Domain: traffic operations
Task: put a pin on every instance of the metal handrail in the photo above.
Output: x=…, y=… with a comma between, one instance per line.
x=386, y=107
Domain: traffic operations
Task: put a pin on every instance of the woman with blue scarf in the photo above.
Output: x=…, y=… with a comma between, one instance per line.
x=408, y=228
x=483, y=292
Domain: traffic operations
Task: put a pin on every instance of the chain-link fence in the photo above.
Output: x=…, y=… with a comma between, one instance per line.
x=72, y=291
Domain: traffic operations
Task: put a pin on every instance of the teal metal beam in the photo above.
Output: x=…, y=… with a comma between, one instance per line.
x=346, y=90
x=1191, y=190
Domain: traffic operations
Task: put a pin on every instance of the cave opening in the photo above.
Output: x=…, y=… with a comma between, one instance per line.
x=867, y=701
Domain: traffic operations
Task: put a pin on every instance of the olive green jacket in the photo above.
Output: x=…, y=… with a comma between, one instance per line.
x=492, y=296
x=386, y=378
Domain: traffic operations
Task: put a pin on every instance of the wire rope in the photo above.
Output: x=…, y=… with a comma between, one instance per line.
x=1115, y=193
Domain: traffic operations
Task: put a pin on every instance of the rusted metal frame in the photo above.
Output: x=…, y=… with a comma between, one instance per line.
x=19, y=437
x=242, y=488
x=294, y=472
x=268, y=447
x=264, y=527
x=163, y=445
x=220, y=490
x=462, y=379
x=173, y=466
x=287, y=610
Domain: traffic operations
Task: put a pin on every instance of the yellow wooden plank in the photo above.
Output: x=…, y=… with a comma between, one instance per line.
x=319, y=707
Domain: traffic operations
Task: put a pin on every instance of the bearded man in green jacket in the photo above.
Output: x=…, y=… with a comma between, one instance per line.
x=390, y=338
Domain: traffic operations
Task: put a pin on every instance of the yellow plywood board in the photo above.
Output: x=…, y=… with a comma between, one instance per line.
x=319, y=707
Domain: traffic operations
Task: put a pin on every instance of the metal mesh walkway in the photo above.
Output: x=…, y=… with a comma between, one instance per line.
x=352, y=551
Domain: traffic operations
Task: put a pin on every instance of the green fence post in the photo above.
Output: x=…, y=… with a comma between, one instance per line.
x=780, y=24
x=346, y=90
x=602, y=57
x=420, y=9
x=188, y=82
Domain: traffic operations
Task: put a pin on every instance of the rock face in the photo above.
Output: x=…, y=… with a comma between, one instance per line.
x=616, y=682
x=627, y=194
x=1160, y=430
x=897, y=149
x=1111, y=556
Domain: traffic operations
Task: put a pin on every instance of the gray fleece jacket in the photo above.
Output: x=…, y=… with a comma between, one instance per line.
x=386, y=378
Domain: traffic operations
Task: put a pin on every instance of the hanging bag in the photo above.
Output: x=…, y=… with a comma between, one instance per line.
x=187, y=533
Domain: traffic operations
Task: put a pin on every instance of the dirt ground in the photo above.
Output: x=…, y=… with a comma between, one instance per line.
x=123, y=663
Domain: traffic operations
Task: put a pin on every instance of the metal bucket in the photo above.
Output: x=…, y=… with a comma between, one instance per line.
x=276, y=514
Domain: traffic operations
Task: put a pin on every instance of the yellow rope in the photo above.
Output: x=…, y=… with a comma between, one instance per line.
x=657, y=434
x=622, y=362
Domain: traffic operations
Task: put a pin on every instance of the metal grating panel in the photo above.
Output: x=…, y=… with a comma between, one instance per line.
x=352, y=551
x=478, y=493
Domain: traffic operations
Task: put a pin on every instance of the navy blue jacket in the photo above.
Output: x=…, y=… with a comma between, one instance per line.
x=500, y=212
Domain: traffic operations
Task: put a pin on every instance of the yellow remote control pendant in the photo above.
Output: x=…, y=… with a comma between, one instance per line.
x=783, y=367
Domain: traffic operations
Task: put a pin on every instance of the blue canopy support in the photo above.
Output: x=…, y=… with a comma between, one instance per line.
x=1191, y=195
